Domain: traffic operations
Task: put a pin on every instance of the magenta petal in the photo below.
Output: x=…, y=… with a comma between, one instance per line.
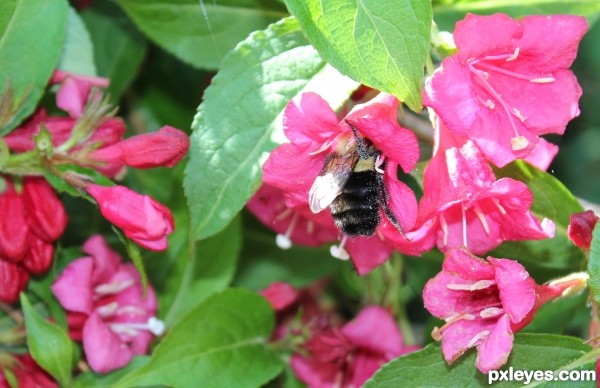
x=103, y=349
x=313, y=373
x=367, y=253
x=106, y=261
x=309, y=121
x=72, y=96
x=493, y=352
x=375, y=330
x=74, y=287
x=402, y=200
x=364, y=366
x=458, y=337
x=542, y=155
x=517, y=288
x=468, y=266
x=477, y=35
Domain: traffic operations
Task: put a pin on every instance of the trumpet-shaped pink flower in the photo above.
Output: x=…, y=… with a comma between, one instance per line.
x=483, y=304
x=141, y=218
x=509, y=82
x=165, y=147
x=348, y=356
x=315, y=132
x=106, y=307
x=464, y=205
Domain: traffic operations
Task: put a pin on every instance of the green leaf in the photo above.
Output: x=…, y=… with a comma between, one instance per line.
x=556, y=316
x=235, y=127
x=200, y=270
x=77, y=54
x=550, y=257
x=119, y=47
x=221, y=343
x=594, y=264
x=200, y=32
x=134, y=253
x=49, y=345
x=530, y=352
x=381, y=43
x=446, y=15
x=28, y=61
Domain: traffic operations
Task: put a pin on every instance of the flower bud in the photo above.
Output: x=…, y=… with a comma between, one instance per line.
x=14, y=233
x=46, y=215
x=40, y=256
x=165, y=147
x=13, y=280
x=280, y=294
x=581, y=227
x=142, y=219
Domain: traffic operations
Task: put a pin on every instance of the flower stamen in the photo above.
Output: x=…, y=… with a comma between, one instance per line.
x=477, y=337
x=338, y=251
x=283, y=241
x=436, y=334
x=114, y=287
x=482, y=219
x=479, y=285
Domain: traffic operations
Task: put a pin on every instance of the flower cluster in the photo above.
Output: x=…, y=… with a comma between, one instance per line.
x=333, y=354
x=107, y=308
x=32, y=219
x=26, y=372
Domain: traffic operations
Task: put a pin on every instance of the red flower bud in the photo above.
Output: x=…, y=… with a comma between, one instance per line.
x=45, y=213
x=14, y=233
x=142, y=219
x=13, y=279
x=581, y=227
x=280, y=294
x=165, y=147
x=40, y=256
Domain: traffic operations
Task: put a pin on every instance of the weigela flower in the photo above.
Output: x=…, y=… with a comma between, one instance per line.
x=581, y=228
x=348, y=356
x=508, y=83
x=165, y=147
x=295, y=225
x=106, y=307
x=142, y=219
x=74, y=90
x=31, y=222
x=463, y=203
x=27, y=373
x=483, y=303
x=315, y=132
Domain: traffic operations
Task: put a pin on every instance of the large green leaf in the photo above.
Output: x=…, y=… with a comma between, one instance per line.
x=381, y=43
x=550, y=257
x=446, y=15
x=26, y=59
x=594, y=264
x=77, y=54
x=49, y=344
x=118, y=46
x=530, y=352
x=200, y=32
x=221, y=343
x=235, y=127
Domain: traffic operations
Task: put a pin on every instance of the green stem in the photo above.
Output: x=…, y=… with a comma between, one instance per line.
x=393, y=271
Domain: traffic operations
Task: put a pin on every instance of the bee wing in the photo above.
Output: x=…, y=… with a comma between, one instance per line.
x=331, y=180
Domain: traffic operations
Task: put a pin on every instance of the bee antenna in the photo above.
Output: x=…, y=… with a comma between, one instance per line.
x=363, y=149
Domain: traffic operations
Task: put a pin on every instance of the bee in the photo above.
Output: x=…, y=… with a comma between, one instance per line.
x=351, y=184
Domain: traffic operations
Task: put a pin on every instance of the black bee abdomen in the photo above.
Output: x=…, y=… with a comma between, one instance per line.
x=356, y=210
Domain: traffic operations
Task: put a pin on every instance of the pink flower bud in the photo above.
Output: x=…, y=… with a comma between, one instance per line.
x=74, y=90
x=27, y=373
x=581, y=227
x=280, y=294
x=46, y=215
x=13, y=279
x=165, y=147
x=14, y=233
x=40, y=256
x=142, y=219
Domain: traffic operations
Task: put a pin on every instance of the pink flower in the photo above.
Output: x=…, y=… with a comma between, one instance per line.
x=581, y=228
x=483, y=304
x=280, y=295
x=298, y=224
x=315, y=132
x=106, y=307
x=464, y=205
x=509, y=82
x=142, y=219
x=348, y=356
x=27, y=372
x=74, y=91
x=166, y=147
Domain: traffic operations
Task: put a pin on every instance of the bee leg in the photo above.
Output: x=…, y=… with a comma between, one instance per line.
x=362, y=147
x=383, y=200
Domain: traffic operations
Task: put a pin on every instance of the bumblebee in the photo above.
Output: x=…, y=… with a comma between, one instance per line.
x=351, y=184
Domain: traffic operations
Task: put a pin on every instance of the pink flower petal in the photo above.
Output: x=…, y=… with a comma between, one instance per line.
x=106, y=261
x=74, y=287
x=468, y=266
x=280, y=294
x=517, y=288
x=367, y=253
x=460, y=336
x=542, y=155
x=402, y=200
x=309, y=121
x=493, y=352
x=103, y=349
x=313, y=373
x=374, y=329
